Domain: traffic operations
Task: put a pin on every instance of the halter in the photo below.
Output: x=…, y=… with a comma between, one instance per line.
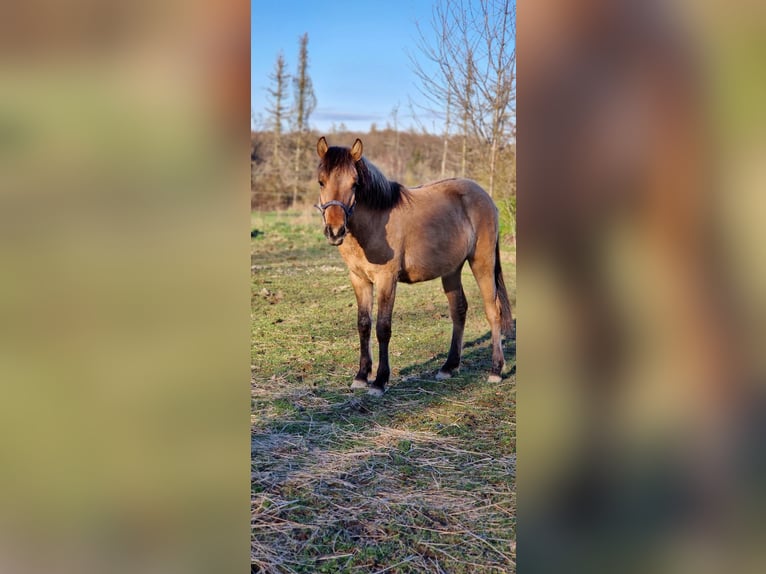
x=348, y=210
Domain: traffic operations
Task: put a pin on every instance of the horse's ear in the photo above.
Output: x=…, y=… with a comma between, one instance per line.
x=322, y=147
x=356, y=150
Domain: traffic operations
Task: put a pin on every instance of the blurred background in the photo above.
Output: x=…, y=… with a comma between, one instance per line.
x=124, y=342
x=641, y=335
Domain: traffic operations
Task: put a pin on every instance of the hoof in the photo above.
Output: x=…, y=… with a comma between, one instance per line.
x=441, y=375
x=494, y=379
x=359, y=384
x=375, y=391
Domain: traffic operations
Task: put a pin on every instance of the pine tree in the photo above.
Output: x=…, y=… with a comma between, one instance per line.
x=303, y=105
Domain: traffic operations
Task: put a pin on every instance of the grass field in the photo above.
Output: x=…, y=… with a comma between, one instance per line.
x=420, y=480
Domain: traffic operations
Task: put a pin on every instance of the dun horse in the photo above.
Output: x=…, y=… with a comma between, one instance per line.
x=388, y=233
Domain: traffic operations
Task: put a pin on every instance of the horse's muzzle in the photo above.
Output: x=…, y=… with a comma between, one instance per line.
x=335, y=237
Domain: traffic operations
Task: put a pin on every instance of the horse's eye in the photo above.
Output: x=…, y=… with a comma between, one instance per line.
x=321, y=184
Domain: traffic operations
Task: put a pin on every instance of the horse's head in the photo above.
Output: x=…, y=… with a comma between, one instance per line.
x=337, y=175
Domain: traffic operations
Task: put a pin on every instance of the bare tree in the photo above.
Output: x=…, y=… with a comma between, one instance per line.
x=395, y=118
x=277, y=110
x=303, y=105
x=498, y=80
x=447, y=109
x=472, y=47
x=465, y=104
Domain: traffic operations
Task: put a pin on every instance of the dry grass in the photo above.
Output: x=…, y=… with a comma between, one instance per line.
x=421, y=480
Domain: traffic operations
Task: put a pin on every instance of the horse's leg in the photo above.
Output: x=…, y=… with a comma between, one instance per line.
x=386, y=287
x=483, y=267
x=458, y=306
x=363, y=291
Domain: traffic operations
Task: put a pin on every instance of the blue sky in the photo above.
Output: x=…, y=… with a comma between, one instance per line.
x=357, y=56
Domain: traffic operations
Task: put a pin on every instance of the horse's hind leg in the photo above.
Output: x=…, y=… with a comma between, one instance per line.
x=484, y=271
x=458, y=306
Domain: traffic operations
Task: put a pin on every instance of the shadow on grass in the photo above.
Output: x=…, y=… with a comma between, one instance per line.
x=476, y=356
x=346, y=414
x=418, y=377
x=338, y=475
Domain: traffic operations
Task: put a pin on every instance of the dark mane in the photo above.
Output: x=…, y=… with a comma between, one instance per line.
x=374, y=190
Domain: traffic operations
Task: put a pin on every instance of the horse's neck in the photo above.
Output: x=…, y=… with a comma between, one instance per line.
x=361, y=223
x=368, y=224
x=374, y=240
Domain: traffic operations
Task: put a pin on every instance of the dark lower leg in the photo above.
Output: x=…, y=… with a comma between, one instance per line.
x=363, y=292
x=458, y=306
x=383, y=332
x=386, y=296
x=364, y=324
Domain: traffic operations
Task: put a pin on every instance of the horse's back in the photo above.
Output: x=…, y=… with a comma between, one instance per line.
x=442, y=225
x=457, y=201
x=466, y=191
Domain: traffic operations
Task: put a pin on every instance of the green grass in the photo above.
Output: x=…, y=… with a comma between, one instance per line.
x=420, y=480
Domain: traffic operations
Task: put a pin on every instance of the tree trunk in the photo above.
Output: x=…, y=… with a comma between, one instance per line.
x=298, y=150
x=305, y=102
x=463, y=156
x=446, y=135
x=492, y=164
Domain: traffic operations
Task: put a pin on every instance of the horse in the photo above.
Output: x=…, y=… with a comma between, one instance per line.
x=388, y=233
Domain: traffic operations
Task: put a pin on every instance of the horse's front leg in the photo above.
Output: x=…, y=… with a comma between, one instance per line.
x=386, y=294
x=363, y=291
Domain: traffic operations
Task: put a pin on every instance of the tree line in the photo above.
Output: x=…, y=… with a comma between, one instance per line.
x=465, y=62
x=281, y=171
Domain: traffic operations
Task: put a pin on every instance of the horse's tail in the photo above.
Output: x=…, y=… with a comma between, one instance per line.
x=501, y=296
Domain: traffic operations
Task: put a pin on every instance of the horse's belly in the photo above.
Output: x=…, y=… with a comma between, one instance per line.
x=424, y=266
x=405, y=277
x=440, y=245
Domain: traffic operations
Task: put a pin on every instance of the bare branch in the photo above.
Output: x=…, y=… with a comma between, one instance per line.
x=471, y=46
